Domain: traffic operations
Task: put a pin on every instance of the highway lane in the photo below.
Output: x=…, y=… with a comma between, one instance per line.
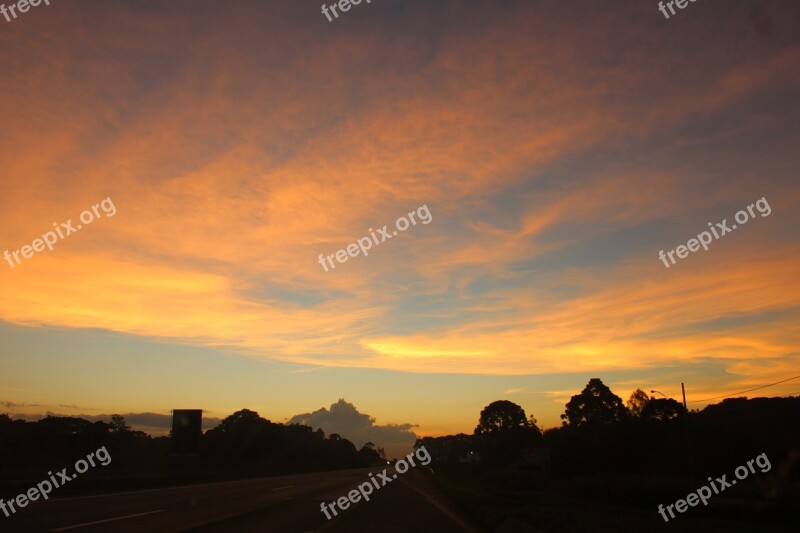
x=285, y=503
x=398, y=507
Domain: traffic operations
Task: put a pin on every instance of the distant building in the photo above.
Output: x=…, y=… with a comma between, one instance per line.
x=186, y=431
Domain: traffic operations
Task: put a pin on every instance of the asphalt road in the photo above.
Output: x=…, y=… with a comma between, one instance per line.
x=286, y=503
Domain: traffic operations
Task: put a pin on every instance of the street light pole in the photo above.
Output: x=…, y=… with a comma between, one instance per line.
x=686, y=425
x=686, y=428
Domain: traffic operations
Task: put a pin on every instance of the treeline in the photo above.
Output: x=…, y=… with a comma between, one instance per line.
x=654, y=437
x=242, y=445
x=612, y=463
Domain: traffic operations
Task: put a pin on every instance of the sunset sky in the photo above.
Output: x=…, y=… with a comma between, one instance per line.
x=559, y=146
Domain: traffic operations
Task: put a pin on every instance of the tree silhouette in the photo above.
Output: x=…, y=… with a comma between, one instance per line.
x=638, y=400
x=533, y=423
x=240, y=420
x=662, y=409
x=595, y=405
x=504, y=434
x=245, y=444
x=118, y=424
x=369, y=454
x=499, y=416
x=381, y=453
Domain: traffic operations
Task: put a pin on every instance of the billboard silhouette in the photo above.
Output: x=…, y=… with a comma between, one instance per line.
x=186, y=431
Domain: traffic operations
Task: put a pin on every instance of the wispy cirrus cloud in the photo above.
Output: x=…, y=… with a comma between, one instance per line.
x=557, y=158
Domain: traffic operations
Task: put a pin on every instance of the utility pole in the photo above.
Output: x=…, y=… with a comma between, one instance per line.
x=686, y=427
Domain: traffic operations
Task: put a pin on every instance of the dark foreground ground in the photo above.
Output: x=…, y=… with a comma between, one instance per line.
x=285, y=503
x=419, y=501
x=507, y=501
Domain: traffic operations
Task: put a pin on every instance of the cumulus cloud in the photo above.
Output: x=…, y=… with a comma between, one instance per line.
x=359, y=428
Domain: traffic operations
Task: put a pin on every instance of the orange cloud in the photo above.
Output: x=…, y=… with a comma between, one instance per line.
x=234, y=165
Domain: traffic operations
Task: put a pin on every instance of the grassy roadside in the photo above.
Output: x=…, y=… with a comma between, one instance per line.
x=558, y=508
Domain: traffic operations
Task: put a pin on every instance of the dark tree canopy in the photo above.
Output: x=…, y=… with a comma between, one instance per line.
x=118, y=424
x=662, y=409
x=637, y=402
x=595, y=405
x=240, y=420
x=500, y=416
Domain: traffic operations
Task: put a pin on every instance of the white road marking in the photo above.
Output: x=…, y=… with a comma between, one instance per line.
x=241, y=482
x=108, y=520
x=281, y=488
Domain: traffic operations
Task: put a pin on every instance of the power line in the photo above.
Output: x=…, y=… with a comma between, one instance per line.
x=742, y=392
